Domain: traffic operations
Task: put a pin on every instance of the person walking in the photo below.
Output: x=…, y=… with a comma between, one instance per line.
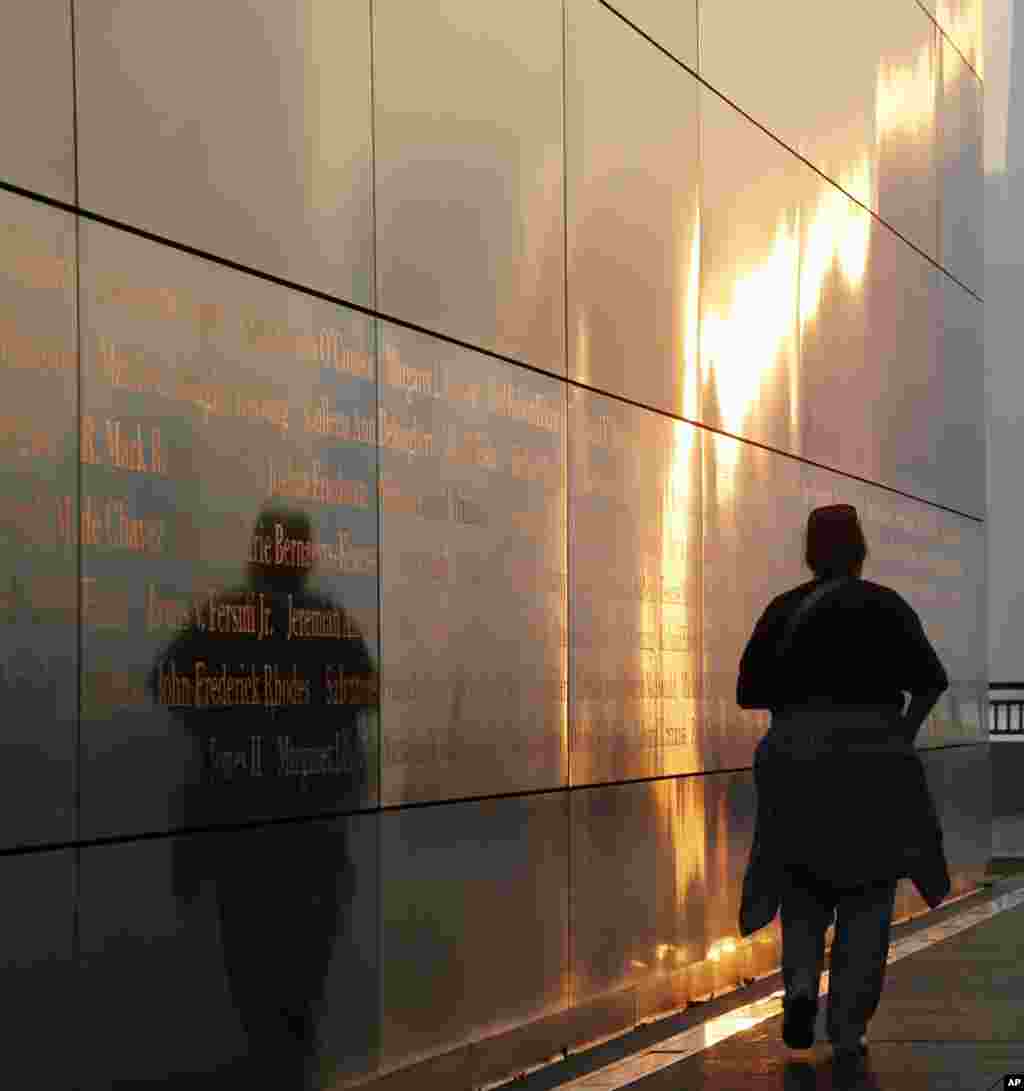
x=843, y=807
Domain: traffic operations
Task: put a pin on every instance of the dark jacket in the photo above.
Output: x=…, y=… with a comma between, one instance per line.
x=841, y=789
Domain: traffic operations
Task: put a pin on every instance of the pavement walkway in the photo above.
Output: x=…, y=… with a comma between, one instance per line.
x=951, y=1019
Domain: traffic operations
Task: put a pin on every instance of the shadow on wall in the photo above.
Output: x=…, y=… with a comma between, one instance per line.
x=283, y=893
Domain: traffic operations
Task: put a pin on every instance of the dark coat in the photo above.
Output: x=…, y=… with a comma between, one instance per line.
x=841, y=789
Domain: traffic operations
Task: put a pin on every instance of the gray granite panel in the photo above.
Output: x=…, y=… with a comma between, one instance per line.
x=963, y=23
x=673, y=26
x=633, y=219
x=960, y=779
x=37, y=97
x=657, y=870
x=474, y=921
x=240, y=128
x=39, y=989
x=635, y=563
x=468, y=169
x=961, y=206
x=765, y=251
x=229, y=545
x=473, y=595
x=754, y=505
x=231, y=959
x=869, y=124
x=39, y=486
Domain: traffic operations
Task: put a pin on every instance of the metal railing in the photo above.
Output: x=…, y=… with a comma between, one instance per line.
x=1006, y=714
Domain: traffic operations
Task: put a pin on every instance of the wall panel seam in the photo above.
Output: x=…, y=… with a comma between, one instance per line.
x=449, y=339
x=792, y=151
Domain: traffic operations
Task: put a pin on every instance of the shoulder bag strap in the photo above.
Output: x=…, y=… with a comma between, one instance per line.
x=806, y=607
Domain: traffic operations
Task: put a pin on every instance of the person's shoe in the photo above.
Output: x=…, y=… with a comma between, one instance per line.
x=849, y=1065
x=859, y=1047
x=798, y=1018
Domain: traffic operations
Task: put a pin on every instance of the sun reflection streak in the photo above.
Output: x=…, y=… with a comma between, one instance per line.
x=905, y=96
x=962, y=22
x=734, y=348
x=740, y=344
x=742, y=340
x=691, y=322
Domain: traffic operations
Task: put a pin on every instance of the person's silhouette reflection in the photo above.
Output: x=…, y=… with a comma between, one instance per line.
x=273, y=683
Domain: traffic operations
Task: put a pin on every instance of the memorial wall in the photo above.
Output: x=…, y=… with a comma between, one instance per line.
x=406, y=412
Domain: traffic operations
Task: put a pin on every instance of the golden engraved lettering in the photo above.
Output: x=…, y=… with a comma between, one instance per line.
x=282, y=690
x=315, y=486
x=245, y=613
x=342, y=553
x=469, y=393
x=475, y=449
x=518, y=403
x=110, y=525
x=327, y=348
x=125, y=369
x=393, y=499
x=329, y=623
x=28, y=441
x=397, y=436
x=275, y=337
x=527, y=465
x=24, y=353
x=345, y=361
x=272, y=410
x=211, y=399
x=42, y=271
x=125, y=453
x=349, y=689
x=160, y=302
x=175, y=614
x=219, y=687
x=157, y=302
x=228, y=764
x=88, y=453
x=304, y=761
x=322, y=421
x=416, y=380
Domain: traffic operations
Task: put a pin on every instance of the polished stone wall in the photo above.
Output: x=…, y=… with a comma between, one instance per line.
x=405, y=413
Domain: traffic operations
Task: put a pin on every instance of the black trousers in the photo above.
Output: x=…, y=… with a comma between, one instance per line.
x=863, y=917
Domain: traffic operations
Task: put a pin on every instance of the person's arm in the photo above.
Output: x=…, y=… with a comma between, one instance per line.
x=927, y=678
x=757, y=682
x=921, y=705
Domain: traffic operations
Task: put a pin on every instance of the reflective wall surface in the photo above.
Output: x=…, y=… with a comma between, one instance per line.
x=635, y=557
x=257, y=940
x=961, y=247
x=39, y=574
x=38, y=988
x=805, y=342
x=38, y=143
x=228, y=542
x=271, y=168
x=468, y=169
x=877, y=122
x=473, y=577
x=632, y=215
x=407, y=412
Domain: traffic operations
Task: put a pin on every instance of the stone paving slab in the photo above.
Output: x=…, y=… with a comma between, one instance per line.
x=951, y=1019
x=906, y=1067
